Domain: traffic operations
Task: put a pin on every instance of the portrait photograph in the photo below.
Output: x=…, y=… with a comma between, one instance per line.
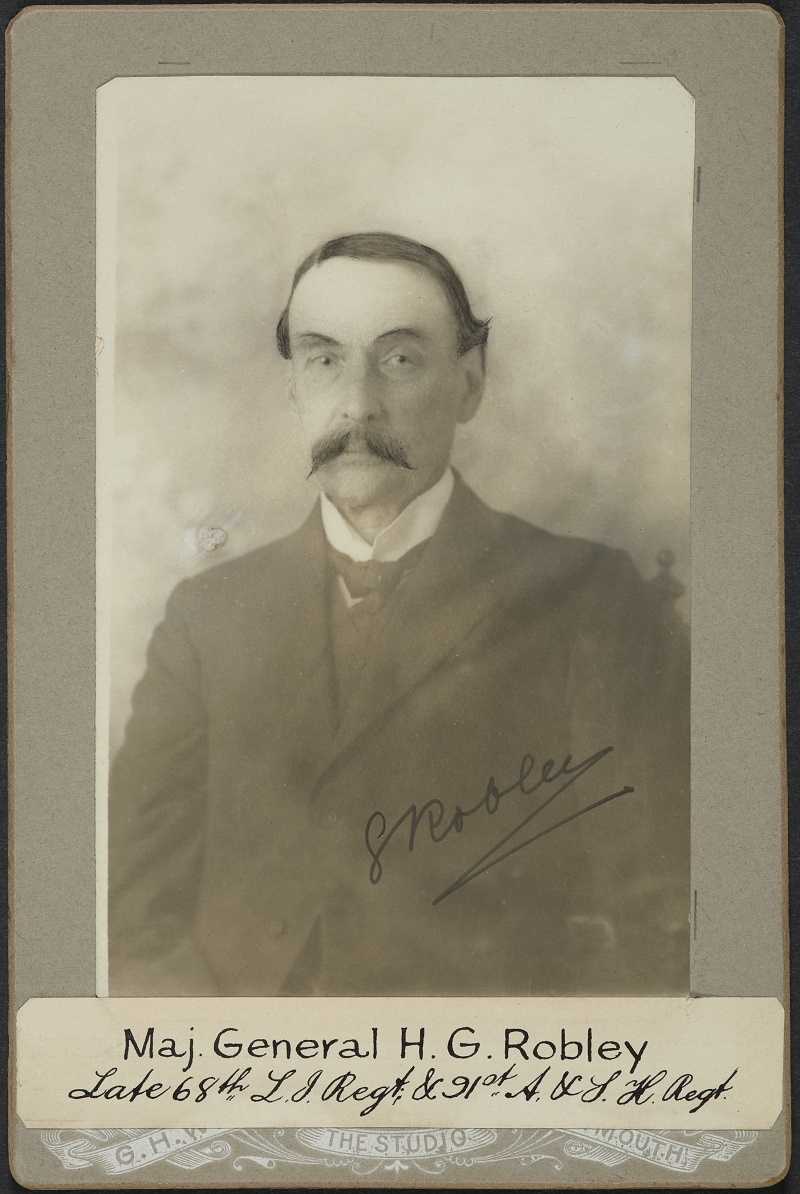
x=398, y=786
x=393, y=517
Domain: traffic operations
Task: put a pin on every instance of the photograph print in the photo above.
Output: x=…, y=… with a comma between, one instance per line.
x=393, y=536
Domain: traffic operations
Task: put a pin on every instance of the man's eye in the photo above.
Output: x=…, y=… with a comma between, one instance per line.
x=400, y=360
x=321, y=358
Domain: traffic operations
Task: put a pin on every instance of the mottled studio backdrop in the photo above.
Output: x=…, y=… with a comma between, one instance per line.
x=566, y=206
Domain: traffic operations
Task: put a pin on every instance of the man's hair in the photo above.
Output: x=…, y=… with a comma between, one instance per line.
x=387, y=246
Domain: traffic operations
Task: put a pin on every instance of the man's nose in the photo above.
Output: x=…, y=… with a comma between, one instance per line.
x=359, y=393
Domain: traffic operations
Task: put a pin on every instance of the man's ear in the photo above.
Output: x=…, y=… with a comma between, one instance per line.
x=473, y=364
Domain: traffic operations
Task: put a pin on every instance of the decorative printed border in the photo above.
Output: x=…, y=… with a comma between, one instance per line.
x=124, y=1151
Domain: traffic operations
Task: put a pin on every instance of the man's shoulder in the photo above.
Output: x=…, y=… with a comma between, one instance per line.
x=522, y=545
x=527, y=537
x=589, y=588
x=254, y=573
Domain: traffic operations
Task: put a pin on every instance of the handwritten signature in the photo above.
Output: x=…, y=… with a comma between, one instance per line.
x=434, y=816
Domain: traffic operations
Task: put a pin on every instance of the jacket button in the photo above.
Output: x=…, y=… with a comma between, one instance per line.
x=325, y=817
x=276, y=928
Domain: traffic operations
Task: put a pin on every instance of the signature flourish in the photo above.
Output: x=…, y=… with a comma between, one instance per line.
x=434, y=817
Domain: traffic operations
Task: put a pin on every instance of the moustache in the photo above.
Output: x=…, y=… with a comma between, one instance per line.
x=378, y=444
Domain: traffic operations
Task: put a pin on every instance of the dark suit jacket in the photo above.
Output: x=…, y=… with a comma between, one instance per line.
x=239, y=799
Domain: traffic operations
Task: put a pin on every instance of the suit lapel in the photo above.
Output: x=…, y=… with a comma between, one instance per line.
x=455, y=586
x=298, y=669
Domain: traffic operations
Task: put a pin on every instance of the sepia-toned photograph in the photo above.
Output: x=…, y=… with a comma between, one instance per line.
x=393, y=436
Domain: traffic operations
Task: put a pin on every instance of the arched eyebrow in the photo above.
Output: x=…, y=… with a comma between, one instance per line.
x=317, y=338
x=415, y=334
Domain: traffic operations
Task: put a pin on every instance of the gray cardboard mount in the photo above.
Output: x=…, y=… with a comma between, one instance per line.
x=730, y=59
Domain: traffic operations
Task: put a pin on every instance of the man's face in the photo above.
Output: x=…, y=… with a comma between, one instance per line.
x=377, y=379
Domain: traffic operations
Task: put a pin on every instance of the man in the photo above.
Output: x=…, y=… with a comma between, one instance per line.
x=418, y=746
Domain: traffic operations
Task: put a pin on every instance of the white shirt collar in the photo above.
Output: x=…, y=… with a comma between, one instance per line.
x=413, y=525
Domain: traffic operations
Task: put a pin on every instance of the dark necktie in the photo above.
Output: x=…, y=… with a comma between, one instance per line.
x=371, y=581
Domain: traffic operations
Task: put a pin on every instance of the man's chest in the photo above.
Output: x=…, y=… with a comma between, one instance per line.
x=417, y=793
x=505, y=689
